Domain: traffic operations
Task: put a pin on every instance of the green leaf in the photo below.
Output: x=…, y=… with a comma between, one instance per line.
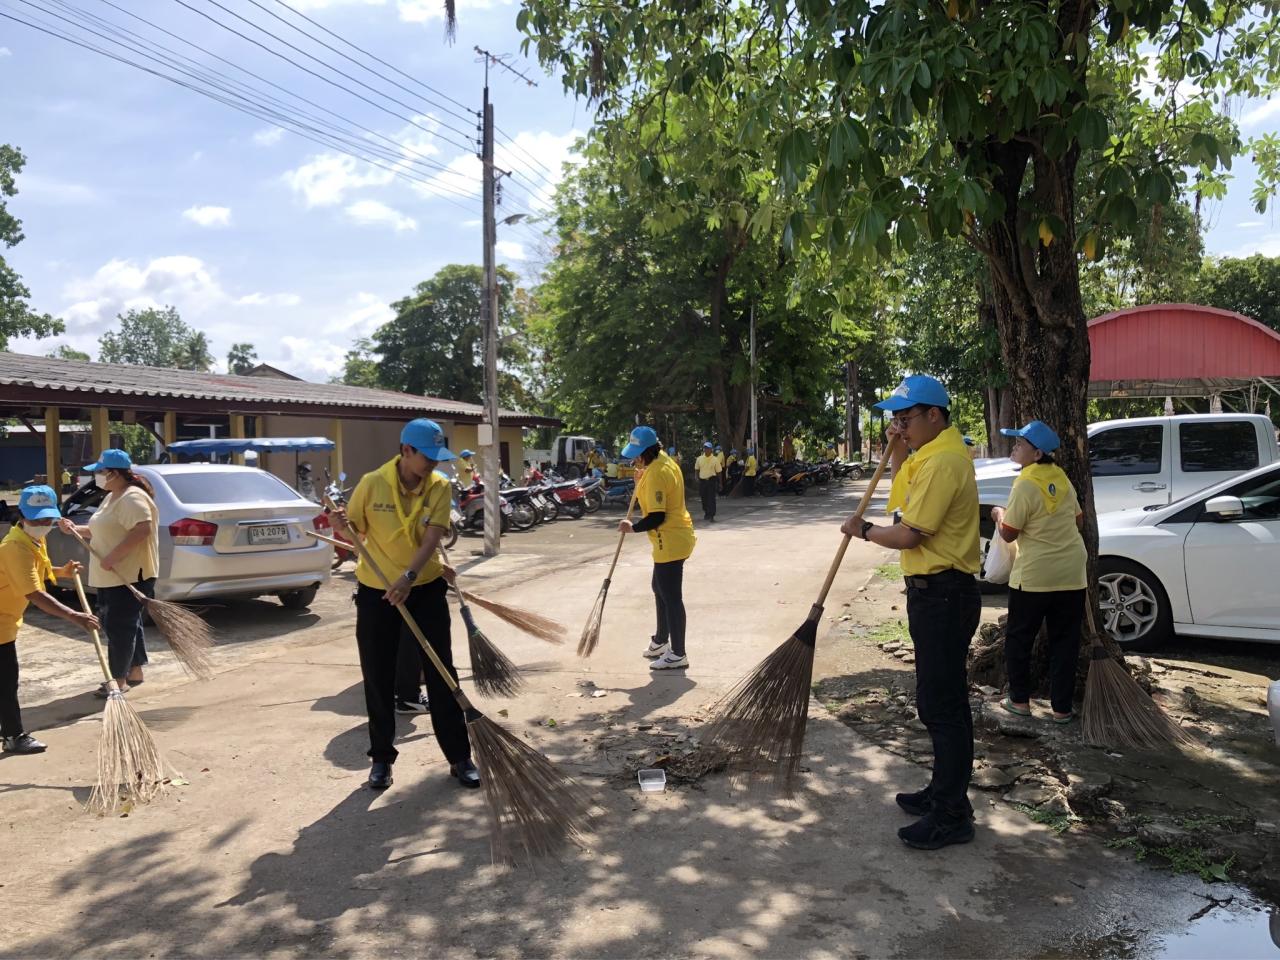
x=923, y=77
x=906, y=234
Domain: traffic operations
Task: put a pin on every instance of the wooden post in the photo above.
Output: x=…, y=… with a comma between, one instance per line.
x=260, y=431
x=53, y=449
x=170, y=427
x=101, y=420
x=237, y=433
x=337, y=448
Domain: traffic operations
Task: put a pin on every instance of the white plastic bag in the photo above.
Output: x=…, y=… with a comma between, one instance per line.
x=1000, y=557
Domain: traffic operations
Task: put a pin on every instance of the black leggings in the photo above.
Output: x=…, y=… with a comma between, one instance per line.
x=1064, y=611
x=10, y=715
x=668, y=595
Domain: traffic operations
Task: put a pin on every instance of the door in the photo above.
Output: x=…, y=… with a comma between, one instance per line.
x=504, y=454
x=1130, y=466
x=1231, y=564
x=1212, y=451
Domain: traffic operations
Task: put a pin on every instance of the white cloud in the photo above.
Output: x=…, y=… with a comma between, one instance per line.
x=538, y=158
x=422, y=11
x=269, y=300
x=1250, y=224
x=462, y=179
x=269, y=137
x=364, y=314
x=326, y=179
x=63, y=193
x=376, y=213
x=5, y=52
x=1267, y=245
x=308, y=358
x=511, y=250
x=208, y=216
x=1261, y=113
x=119, y=285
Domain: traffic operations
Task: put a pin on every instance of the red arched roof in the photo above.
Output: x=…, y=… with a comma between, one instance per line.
x=1181, y=341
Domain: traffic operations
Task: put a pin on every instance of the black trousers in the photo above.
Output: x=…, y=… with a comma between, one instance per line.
x=668, y=595
x=707, y=490
x=1064, y=611
x=120, y=613
x=943, y=611
x=10, y=715
x=410, y=670
x=379, y=629
x=748, y=486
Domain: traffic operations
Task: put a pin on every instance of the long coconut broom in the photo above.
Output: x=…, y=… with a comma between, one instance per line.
x=186, y=633
x=591, y=629
x=1117, y=712
x=128, y=757
x=535, y=810
x=758, y=728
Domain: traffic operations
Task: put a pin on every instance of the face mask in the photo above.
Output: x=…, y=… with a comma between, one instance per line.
x=37, y=533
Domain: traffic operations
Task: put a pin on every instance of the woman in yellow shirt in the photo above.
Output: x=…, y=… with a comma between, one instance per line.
x=1048, y=578
x=660, y=495
x=125, y=532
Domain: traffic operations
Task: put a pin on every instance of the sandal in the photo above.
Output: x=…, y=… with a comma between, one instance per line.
x=1009, y=706
x=1063, y=720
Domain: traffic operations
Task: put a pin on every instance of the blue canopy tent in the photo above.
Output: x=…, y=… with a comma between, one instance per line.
x=213, y=448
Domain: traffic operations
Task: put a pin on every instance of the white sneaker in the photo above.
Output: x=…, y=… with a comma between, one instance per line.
x=669, y=661
x=656, y=649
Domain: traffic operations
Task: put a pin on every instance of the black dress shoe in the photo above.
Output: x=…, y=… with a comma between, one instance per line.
x=380, y=775
x=466, y=773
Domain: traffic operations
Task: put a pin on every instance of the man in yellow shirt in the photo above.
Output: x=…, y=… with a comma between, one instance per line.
x=708, y=469
x=400, y=512
x=24, y=572
x=660, y=494
x=750, y=468
x=938, y=537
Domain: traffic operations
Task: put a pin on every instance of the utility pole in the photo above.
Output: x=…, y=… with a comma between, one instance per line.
x=754, y=445
x=489, y=313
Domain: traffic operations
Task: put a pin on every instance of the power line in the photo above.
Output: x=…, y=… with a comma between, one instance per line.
x=512, y=140
x=319, y=138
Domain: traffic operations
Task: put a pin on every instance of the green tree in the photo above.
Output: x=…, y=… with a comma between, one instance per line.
x=193, y=353
x=65, y=352
x=153, y=337
x=360, y=366
x=434, y=345
x=241, y=358
x=1248, y=285
x=17, y=319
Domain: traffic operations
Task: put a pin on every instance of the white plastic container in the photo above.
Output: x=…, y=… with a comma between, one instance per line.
x=1273, y=705
x=652, y=781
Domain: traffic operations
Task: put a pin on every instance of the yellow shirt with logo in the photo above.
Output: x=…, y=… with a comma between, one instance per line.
x=708, y=466
x=662, y=489
x=1043, y=509
x=392, y=523
x=110, y=524
x=466, y=473
x=751, y=465
x=942, y=503
x=24, y=568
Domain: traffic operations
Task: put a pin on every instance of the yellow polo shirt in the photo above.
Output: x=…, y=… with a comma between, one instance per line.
x=942, y=503
x=24, y=564
x=751, y=465
x=1043, y=509
x=466, y=472
x=392, y=523
x=662, y=488
x=708, y=466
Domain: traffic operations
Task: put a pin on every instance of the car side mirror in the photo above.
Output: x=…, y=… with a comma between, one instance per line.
x=1224, y=508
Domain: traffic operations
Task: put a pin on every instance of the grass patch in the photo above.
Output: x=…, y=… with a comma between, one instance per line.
x=889, y=571
x=1059, y=823
x=1210, y=821
x=889, y=631
x=1179, y=859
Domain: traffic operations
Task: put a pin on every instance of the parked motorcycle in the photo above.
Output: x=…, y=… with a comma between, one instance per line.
x=592, y=493
x=335, y=494
x=570, y=499
x=471, y=506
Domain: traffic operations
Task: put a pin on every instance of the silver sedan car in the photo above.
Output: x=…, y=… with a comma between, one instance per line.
x=225, y=532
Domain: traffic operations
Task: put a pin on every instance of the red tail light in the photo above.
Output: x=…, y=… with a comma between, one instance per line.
x=193, y=533
x=321, y=522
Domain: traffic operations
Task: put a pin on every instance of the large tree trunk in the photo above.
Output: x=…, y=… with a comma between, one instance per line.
x=716, y=374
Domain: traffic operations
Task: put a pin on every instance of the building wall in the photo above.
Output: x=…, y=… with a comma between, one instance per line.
x=464, y=435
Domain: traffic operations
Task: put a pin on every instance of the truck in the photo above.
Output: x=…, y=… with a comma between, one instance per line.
x=569, y=455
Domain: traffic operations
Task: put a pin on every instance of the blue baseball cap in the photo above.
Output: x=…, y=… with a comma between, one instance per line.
x=968, y=441
x=641, y=439
x=38, y=503
x=718, y=448
x=671, y=451
x=467, y=453
x=1037, y=433
x=706, y=445
x=111, y=460
x=734, y=451
x=427, y=438
x=917, y=389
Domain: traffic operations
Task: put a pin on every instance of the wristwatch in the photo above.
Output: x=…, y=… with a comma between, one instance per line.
x=866, y=527
x=410, y=575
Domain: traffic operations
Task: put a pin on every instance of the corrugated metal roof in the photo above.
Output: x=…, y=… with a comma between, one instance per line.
x=1181, y=341
x=108, y=383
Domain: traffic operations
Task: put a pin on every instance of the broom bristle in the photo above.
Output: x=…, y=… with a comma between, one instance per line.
x=188, y=636
x=129, y=761
x=1119, y=713
x=591, y=629
x=494, y=674
x=758, y=728
x=535, y=810
x=534, y=624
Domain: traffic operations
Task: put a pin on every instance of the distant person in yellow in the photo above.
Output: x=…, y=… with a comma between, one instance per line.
x=1047, y=584
x=67, y=481
x=595, y=461
x=708, y=470
x=750, y=468
x=400, y=511
x=465, y=470
x=660, y=494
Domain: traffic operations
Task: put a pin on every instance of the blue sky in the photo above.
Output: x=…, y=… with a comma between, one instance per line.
x=139, y=192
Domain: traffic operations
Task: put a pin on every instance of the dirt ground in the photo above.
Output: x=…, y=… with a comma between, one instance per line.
x=274, y=846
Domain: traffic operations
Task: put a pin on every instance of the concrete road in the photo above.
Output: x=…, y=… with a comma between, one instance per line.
x=276, y=847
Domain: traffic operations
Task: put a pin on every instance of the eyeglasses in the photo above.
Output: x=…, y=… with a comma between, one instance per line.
x=902, y=423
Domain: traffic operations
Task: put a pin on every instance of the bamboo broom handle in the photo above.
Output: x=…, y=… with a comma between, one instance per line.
x=635, y=496
x=862, y=508
x=88, y=546
x=408, y=617
x=97, y=640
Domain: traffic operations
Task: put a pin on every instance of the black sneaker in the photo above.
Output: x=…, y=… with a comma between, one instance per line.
x=918, y=804
x=414, y=706
x=932, y=833
x=466, y=773
x=23, y=743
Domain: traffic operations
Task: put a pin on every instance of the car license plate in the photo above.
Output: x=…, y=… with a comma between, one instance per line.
x=267, y=534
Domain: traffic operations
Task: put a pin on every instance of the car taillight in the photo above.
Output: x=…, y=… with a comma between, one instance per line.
x=321, y=522
x=193, y=533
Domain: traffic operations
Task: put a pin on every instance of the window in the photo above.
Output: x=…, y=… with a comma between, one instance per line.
x=1230, y=446
x=1260, y=496
x=229, y=486
x=1126, y=451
